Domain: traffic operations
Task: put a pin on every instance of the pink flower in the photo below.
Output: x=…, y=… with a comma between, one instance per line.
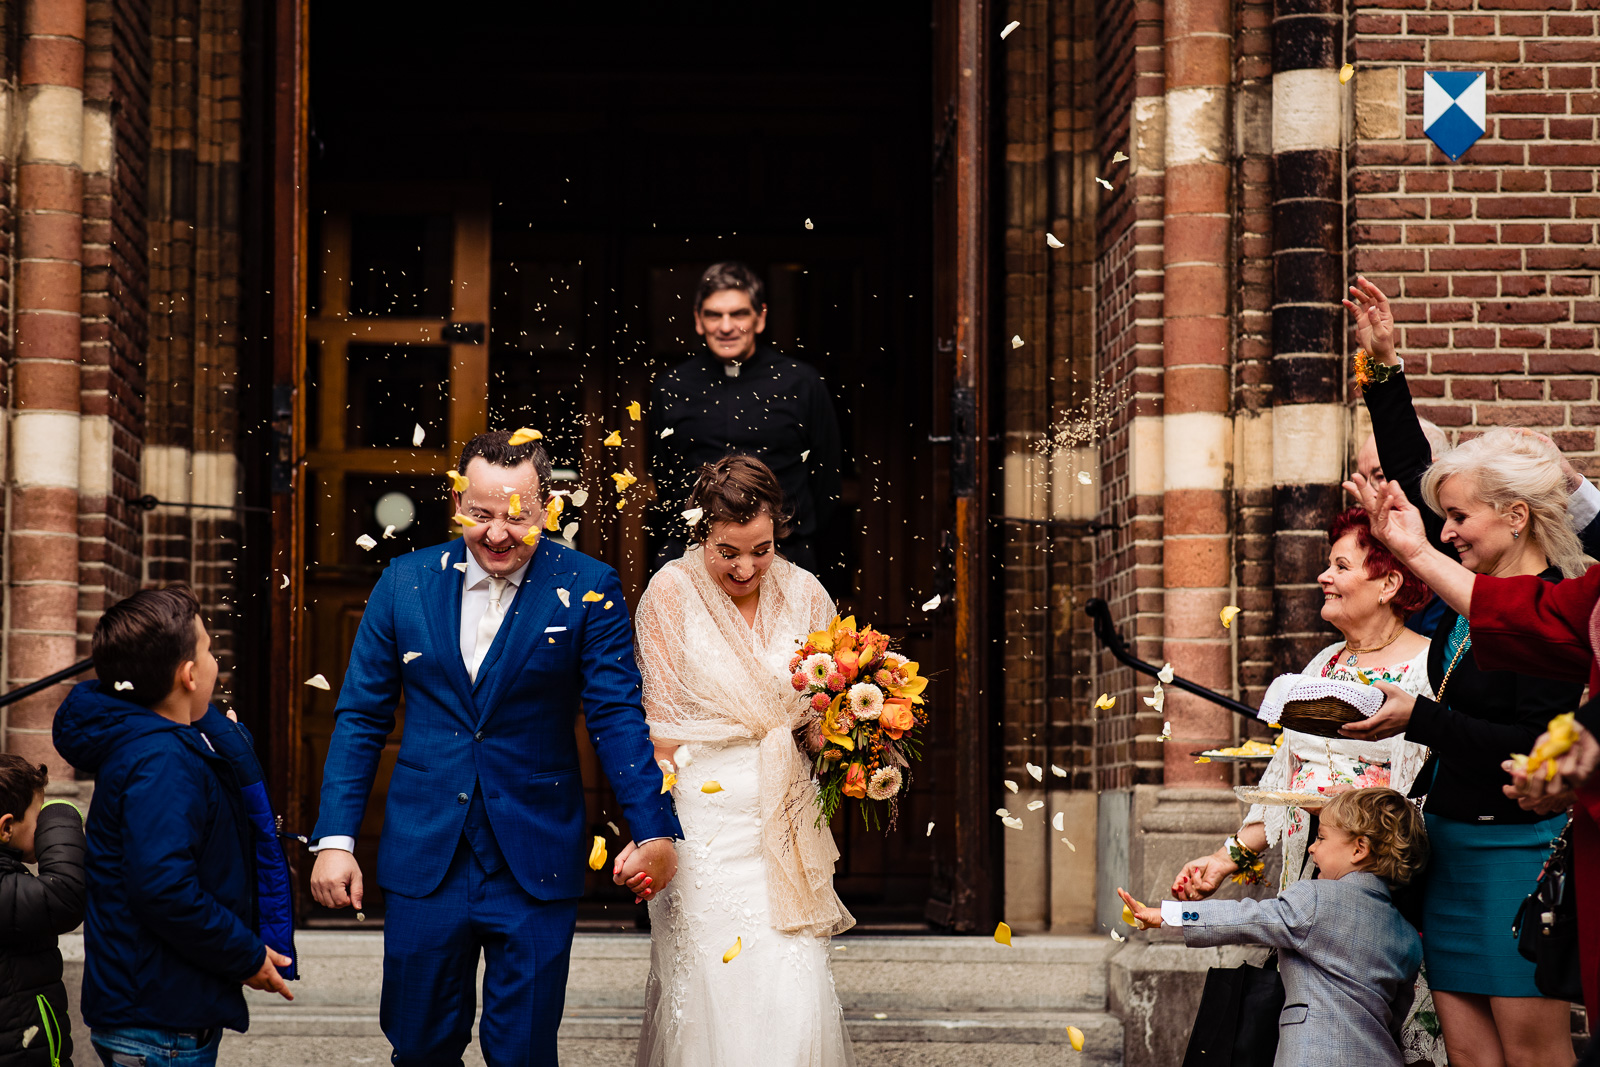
x=1372, y=776
x=836, y=682
x=820, y=702
x=799, y=682
x=883, y=678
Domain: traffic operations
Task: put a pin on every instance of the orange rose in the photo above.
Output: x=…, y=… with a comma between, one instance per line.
x=855, y=781
x=848, y=662
x=897, y=717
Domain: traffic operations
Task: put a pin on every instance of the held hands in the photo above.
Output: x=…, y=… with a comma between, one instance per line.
x=1391, y=719
x=1373, y=320
x=1204, y=876
x=336, y=880
x=1148, y=916
x=646, y=869
x=267, y=978
x=1574, y=770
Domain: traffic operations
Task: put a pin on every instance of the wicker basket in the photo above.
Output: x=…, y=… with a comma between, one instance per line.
x=1321, y=717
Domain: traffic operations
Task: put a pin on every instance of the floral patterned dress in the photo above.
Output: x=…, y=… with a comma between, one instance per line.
x=1309, y=764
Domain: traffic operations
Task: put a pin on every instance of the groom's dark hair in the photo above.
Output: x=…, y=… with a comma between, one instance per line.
x=496, y=447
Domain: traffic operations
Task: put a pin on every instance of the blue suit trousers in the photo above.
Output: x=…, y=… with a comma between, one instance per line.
x=431, y=946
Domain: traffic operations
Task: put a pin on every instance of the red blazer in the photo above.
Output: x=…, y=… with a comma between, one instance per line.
x=1538, y=627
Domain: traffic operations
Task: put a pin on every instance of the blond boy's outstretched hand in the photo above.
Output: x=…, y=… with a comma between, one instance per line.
x=1148, y=916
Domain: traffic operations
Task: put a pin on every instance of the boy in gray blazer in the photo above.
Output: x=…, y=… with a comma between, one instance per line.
x=1348, y=960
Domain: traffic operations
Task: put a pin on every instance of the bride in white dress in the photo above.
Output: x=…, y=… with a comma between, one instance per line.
x=714, y=634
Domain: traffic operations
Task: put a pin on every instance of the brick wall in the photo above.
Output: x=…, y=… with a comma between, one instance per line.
x=1490, y=261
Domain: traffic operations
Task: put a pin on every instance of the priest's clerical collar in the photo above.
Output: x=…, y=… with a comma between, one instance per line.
x=733, y=367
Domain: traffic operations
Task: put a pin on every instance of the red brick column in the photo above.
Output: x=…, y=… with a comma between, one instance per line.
x=1196, y=428
x=42, y=608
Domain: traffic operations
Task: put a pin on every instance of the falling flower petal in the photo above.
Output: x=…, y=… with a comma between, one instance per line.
x=461, y=520
x=694, y=515
x=565, y=596
x=880, y=1015
x=1069, y=844
x=1165, y=674
x=580, y=497
x=1203, y=759
x=1131, y=919
x=458, y=481
x=514, y=505
x=1002, y=812
x=1166, y=731
x=523, y=436
x=614, y=828
x=552, y=516
x=28, y=1035
x=1105, y=703
x=1158, y=701
x=1012, y=822
x=570, y=531
x=388, y=532
x=711, y=787
x=409, y=656
x=666, y=432
x=1009, y=27
x=591, y=597
x=417, y=435
x=930, y=831
x=1117, y=937
x=531, y=537
x=1037, y=772
x=668, y=780
x=366, y=542
x=1035, y=805
x=597, y=853
x=1017, y=341
x=635, y=411
x=361, y=916
x=607, y=605
x=1059, y=823
x=933, y=604
x=1050, y=239
x=622, y=503
x=1059, y=772
x=462, y=566
x=1076, y=1037
x=317, y=681
x=809, y=225
x=285, y=583
x=1103, y=182
x=623, y=479
x=613, y=439
x=121, y=686
x=805, y=455
x=1002, y=934
x=1011, y=785
x=1119, y=157
x=1346, y=72
x=1228, y=614
x=738, y=946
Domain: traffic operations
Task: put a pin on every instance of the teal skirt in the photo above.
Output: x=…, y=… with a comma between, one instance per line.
x=1478, y=876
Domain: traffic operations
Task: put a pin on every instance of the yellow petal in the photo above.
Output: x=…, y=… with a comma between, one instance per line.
x=622, y=503
x=461, y=520
x=623, y=479
x=552, y=515
x=597, y=854
x=524, y=435
x=514, y=505
x=738, y=946
x=1203, y=759
x=1002, y=934
x=1229, y=613
x=1129, y=918
x=458, y=481
x=531, y=537
x=614, y=440
x=635, y=412
x=711, y=787
x=668, y=780
x=1346, y=72
x=1105, y=703
x=591, y=597
x=1076, y=1037
x=607, y=605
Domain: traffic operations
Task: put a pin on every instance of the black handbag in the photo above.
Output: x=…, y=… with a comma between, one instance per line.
x=1237, y=1024
x=1546, y=927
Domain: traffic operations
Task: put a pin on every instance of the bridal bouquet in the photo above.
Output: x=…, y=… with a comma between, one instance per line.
x=866, y=704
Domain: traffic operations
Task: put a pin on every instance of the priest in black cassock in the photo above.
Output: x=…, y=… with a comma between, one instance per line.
x=742, y=395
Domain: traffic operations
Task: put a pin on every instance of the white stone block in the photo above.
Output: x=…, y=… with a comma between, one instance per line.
x=52, y=125
x=1198, y=448
x=1197, y=125
x=1308, y=446
x=1146, y=453
x=1307, y=110
x=44, y=448
x=94, y=455
x=1252, y=449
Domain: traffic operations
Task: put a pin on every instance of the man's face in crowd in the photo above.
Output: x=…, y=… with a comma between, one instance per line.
x=730, y=323
x=1367, y=462
x=496, y=537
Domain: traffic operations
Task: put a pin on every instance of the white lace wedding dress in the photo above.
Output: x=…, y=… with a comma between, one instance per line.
x=754, y=869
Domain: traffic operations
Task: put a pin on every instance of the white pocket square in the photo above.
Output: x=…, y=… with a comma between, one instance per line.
x=554, y=629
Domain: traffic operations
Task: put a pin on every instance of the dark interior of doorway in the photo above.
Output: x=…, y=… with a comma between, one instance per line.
x=626, y=145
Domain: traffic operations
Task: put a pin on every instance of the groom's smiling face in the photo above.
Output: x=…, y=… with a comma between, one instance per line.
x=496, y=537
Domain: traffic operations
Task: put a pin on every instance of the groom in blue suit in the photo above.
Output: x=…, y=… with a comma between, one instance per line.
x=495, y=648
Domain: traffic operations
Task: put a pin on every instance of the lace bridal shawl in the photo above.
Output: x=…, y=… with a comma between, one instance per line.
x=711, y=677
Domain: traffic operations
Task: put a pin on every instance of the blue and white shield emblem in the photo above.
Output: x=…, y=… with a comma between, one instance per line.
x=1455, y=107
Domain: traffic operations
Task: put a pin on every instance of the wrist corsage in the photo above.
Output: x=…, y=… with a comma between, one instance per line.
x=1372, y=372
x=1248, y=860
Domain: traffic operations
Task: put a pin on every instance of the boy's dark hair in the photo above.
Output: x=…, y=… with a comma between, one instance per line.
x=736, y=489
x=144, y=640
x=20, y=782
x=730, y=275
x=496, y=447
x=1397, y=836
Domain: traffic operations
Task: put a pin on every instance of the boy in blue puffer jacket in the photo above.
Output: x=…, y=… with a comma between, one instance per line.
x=188, y=890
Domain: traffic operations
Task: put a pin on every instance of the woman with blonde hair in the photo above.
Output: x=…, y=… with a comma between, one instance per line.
x=1501, y=502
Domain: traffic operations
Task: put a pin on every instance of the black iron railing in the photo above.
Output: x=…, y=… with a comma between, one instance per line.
x=1106, y=631
x=46, y=682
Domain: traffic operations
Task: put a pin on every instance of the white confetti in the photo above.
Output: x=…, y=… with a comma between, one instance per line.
x=580, y=497
x=444, y=559
x=285, y=583
x=1084, y=478
x=1011, y=785
x=570, y=530
x=1036, y=771
x=317, y=681
x=388, y=532
x=417, y=435
x=1050, y=239
x=614, y=828
x=810, y=225
x=366, y=543
x=1012, y=823
x=409, y=656
x=1017, y=341
x=1118, y=938
x=1103, y=182
x=1059, y=772
x=1059, y=823
x=930, y=831
x=1165, y=674
x=1069, y=844
x=1035, y=805
x=805, y=455
x=668, y=432
x=565, y=596
x=120, y=686
x=462, y=566
x=1009, y=27
x=934, y=603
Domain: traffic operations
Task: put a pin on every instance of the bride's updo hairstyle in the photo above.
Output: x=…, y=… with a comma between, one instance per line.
x=736, y=489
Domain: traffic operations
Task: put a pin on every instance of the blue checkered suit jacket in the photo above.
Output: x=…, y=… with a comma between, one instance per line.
x=1348, y=962
x=510, y=735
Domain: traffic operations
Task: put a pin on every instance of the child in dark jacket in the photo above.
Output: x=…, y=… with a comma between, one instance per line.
x=34, y=1028
x=174, y=849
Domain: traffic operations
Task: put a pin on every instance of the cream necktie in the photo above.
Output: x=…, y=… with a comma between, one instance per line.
x=488, y=626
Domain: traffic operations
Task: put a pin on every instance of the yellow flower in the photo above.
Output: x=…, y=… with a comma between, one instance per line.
x=1560, y=736
x=823, y=640
x=913, y=685
x=830, y=725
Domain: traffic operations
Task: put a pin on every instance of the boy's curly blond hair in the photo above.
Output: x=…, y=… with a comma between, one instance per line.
x=1397, y=838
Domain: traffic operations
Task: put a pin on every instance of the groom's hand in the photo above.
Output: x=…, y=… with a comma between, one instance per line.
x=658, y=859
x=336, y=879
